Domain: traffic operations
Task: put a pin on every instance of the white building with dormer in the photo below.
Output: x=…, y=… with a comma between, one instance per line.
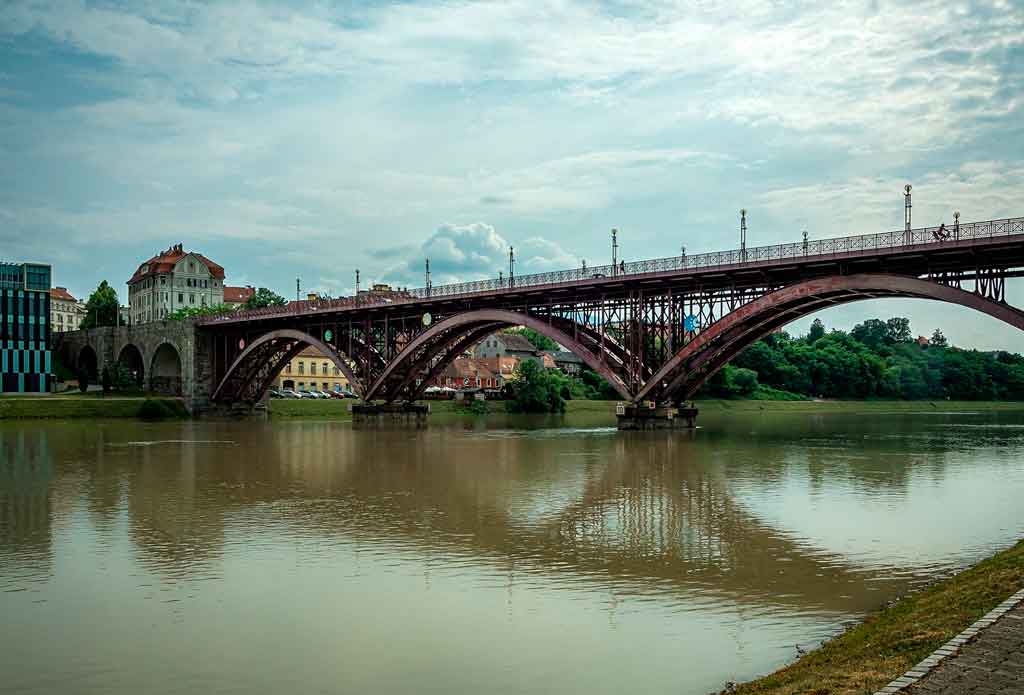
x=171, y=280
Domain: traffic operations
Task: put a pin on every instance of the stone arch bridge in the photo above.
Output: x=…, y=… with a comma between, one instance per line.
x=655, y=330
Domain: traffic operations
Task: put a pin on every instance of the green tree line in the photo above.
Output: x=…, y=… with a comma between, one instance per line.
x=876, y=359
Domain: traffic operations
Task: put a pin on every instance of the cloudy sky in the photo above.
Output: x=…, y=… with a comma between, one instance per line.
x=310, y=139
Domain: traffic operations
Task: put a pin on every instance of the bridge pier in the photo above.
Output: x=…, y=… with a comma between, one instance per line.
x=370, y=415
x=650, y=416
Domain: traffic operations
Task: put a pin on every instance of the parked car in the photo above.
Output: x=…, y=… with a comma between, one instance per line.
x=274, y=393
x=349, y=394
x=336, y=394
x=289, y=393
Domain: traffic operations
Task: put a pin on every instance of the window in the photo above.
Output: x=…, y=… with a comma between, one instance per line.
x=163, y=280
x=288, y=368
x=337, y=386
x=191, y=299
x=337, y=371
x=191, y=266
x=181, y=298
x=324, y=385
x=323, y=369
x=302, y=367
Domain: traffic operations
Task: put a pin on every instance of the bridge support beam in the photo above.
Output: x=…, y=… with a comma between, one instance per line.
x=650, y=416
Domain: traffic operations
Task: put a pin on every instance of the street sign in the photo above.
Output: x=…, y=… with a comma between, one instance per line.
x=690, y=323
x=427, y=319
x=328, y=335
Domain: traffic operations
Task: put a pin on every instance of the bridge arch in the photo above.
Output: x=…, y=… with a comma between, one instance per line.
x=166, y=370
x=252, y=372
x=434, y=348
x=681, y=376
x=88, y=361
x=130, y=357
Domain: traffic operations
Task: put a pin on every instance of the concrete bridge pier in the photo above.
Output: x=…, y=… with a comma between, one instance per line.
x=648, y=415
x=372, y=415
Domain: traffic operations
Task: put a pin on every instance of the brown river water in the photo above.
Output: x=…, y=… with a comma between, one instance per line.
x=506, y=556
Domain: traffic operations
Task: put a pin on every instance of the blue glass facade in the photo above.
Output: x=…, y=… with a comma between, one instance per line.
x=25, y=359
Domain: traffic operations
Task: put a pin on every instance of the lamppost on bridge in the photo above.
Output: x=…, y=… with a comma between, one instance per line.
x=357, y=285
x=743, y=234
x=906, y=214
x=511, y=267
x=428, y=276
x=956, y=225
x=682, y=256
x=805, y=242
x=615, y=252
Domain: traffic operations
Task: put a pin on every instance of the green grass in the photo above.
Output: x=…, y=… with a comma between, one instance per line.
x=77, y=407
x=889, y=642
x=338, y=410
x=310, y=409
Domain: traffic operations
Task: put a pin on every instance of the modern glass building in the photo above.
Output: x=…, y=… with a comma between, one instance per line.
x=24, y=328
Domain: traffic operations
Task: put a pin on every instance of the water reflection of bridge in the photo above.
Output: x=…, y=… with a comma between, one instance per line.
x=610, y=511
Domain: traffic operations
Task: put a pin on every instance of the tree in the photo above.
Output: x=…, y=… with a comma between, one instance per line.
x=262, y=298
x=938, y=340
x=102, y=307
x=817, y=331
x=188, y=312
x=537, y=390
x=899, y=330
x=873, y=333
x=538, y=340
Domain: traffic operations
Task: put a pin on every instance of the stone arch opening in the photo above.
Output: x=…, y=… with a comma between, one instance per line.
x=88, y=362
x=165, y=371
x=130, y=358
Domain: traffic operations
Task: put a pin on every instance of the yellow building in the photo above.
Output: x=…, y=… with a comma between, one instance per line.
x=310, y=370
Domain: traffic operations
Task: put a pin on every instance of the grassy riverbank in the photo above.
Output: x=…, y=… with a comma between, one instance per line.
x=338, y=410
x=883, y=647
x=89, y=406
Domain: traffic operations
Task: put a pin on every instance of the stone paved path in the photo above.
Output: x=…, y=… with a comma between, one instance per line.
x=991, y=663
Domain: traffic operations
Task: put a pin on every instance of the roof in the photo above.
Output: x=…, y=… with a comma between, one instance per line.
x=516, y=342
x=165, y=261
x=311, y=352
x=237, y=295
x=61, y=293
x=566, y=356
x=468, y=367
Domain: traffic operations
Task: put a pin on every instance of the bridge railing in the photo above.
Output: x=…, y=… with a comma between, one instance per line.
x=759, y=254
x=819, y=248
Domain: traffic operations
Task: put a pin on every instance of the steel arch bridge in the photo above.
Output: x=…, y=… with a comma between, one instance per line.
x=655, y=330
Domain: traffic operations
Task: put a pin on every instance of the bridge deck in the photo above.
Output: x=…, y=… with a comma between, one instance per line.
x=977, y=245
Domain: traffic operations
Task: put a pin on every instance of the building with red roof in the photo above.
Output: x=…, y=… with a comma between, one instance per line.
x=173, y=279
x=237, y=296
x=66, y=312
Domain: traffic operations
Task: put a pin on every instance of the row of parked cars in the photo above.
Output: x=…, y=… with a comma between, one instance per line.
x=289, y=393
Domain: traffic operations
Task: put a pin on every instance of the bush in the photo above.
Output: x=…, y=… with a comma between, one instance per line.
x=537, y=390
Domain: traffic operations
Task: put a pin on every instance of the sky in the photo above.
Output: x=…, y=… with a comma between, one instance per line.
x=309, y=140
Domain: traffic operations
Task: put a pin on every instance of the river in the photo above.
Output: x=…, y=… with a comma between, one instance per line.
x=506, y=556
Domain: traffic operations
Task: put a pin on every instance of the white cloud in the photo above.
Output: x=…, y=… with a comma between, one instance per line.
x=463, y=252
